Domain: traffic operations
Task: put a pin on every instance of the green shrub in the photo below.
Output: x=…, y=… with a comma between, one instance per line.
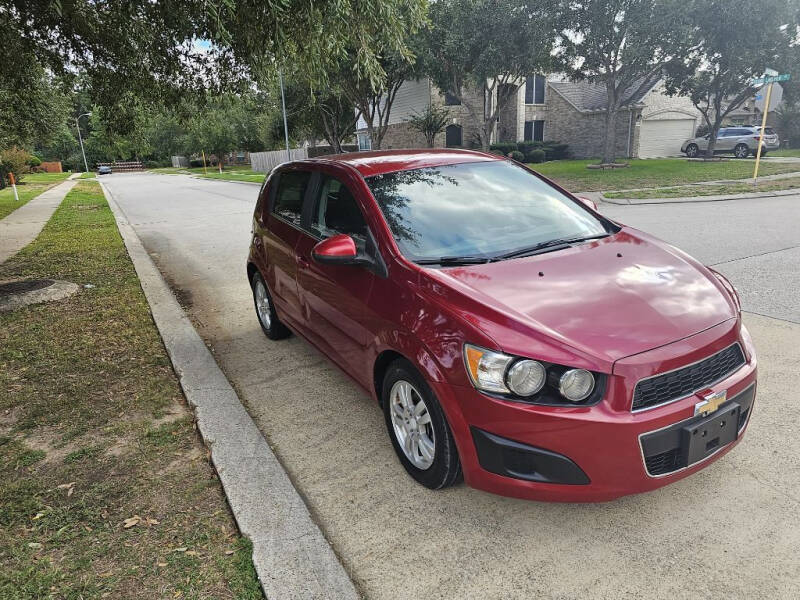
x=527, y=147
x=517, y=155
x=34, y=161
x=504, y=148
x=16, y=160
x=536, y=156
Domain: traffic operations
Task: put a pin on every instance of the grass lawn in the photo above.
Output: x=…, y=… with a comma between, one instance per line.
x=88, y=175
x=654, y=172
x=32, y=185
x=250, y=176
x=710, y=190
x=105, y=487
x=231, y=173
x=795, y=152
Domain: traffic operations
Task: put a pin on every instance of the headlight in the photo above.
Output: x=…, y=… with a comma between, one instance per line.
x=530, y=380
x=526, y=377
x=576, y=384
x=487, y=369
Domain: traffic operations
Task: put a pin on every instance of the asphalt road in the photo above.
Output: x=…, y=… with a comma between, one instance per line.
x=729, y=531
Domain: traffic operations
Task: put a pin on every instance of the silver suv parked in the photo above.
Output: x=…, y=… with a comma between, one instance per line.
x=741, y=141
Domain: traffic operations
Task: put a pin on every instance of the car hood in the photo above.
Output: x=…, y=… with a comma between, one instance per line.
x=609, y=298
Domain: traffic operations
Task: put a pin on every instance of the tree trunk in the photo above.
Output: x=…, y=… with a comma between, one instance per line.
x=712, y=138
x=375, y=144
x=486, y=135
x=610, y=142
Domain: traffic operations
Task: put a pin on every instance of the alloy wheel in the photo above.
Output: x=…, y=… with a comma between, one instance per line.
x=412, y=424
x=262, y=304
x=741, y=151
x=691, y=151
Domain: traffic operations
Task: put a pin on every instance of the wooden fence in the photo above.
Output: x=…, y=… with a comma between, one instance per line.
x=264, y=162
x=130, y=165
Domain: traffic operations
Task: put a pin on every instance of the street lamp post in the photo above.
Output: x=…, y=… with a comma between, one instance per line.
x=80, y=138
x=285, y=126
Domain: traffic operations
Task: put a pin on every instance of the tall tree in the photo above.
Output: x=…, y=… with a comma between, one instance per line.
x=374, y=102
x=34, y=107
x=733, y=41
x=622, y=45
x=488, y=46
x=152, y=48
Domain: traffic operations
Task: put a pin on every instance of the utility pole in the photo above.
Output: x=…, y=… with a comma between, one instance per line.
x=285, y=126
x=80, y=138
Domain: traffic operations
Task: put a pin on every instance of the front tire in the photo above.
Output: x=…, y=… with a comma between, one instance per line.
x=265, y=310
x=691, y=150
x=741, y=151
x=418, y=428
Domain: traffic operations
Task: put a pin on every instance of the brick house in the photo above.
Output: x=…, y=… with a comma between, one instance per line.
x=650, y=123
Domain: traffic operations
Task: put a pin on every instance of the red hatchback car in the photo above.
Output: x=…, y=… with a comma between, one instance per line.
x=510, y=332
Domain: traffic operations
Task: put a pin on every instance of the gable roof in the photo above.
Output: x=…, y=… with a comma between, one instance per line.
x=589, y=97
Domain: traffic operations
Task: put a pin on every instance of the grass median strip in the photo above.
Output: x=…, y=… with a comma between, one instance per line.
x=32, y=185
x=574, y=176
x=105, y=489
x=709, y=190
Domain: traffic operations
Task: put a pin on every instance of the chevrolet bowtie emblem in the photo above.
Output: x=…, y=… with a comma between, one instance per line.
x=711, y=401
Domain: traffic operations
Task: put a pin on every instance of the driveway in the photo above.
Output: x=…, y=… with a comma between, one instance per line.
x=730, y=531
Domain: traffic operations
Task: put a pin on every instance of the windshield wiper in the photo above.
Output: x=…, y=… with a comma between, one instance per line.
x=549, y=246
x=455, y=260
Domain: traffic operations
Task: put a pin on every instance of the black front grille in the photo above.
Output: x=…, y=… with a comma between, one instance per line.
x=688, y=380
x=665, y=462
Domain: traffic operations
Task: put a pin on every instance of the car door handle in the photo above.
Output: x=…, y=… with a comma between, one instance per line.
x=302, y=262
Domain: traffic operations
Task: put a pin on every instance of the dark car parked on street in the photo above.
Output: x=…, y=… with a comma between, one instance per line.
x=511, y=333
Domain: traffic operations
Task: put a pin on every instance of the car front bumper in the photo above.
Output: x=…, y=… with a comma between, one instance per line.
x=593, y=453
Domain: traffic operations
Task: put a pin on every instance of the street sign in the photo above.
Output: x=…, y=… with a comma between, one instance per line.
x=771, y=79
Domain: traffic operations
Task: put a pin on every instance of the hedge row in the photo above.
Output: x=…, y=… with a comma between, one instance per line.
x=534, y=152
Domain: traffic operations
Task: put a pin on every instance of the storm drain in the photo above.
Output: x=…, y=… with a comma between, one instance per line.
x=22, y=292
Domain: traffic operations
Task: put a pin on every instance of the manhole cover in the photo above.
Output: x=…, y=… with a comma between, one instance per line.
x=27, y=285
x=16, y=294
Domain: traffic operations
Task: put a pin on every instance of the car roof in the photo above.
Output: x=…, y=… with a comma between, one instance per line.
x=379, y=162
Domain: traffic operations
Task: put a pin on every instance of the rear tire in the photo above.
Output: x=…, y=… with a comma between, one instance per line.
x=691, y=150
x=265, y=310
x=418, y=428
x=741, y=151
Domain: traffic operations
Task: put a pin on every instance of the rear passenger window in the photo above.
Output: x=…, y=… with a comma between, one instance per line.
x=291, y=191
x=336, y=211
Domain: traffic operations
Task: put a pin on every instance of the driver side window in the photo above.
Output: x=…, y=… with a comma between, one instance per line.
x=336, y=211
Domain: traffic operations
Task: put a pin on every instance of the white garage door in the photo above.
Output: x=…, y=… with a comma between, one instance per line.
x=664, y=137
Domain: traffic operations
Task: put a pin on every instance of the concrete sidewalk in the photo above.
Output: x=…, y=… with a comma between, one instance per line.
x=22, y=226
x=291, y=556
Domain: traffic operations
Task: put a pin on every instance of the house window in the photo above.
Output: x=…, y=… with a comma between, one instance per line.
x=364, y=143
x=452, y=136
x=534, y=89
x=534, y=131
x=450, y=100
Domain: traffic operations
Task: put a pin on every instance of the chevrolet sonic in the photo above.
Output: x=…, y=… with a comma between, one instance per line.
x=513, y=336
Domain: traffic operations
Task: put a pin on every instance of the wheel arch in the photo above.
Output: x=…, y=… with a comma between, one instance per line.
x=251, y=270
x=420, y=358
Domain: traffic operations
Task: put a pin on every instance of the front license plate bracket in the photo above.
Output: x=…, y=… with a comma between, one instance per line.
x=703, y=438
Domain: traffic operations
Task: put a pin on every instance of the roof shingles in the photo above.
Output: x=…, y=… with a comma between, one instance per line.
x=588, y=97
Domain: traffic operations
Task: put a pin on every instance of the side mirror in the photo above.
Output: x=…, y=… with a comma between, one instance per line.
x=336, y=250
x=589, y=203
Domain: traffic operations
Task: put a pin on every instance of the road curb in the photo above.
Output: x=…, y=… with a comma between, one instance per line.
x=291, y=556
x=685, y=199
x=225, y=180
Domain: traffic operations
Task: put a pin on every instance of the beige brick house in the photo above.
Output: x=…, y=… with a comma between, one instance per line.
x=650, y=124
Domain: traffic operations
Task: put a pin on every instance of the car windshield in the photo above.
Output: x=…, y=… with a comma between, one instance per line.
x=484, y=209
